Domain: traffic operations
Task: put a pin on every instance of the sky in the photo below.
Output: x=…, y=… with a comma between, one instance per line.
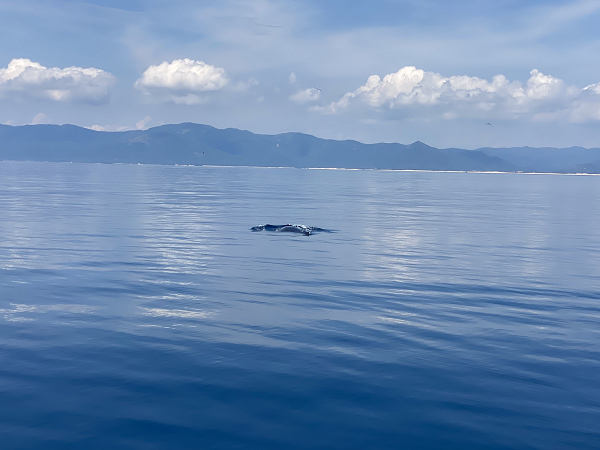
x=381, y=71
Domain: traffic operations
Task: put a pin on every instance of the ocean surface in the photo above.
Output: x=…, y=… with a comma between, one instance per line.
x=444, y=311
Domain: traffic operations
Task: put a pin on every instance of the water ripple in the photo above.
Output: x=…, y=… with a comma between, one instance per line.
x=447, y=310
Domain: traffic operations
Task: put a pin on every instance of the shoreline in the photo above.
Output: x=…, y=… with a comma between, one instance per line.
x=302, y=168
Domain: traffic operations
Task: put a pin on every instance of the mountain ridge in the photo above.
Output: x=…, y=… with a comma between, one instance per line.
x=199, y=144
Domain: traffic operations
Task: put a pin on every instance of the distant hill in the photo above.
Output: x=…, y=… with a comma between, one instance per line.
x=545, y=159
x=593, y=167
x=196, y=144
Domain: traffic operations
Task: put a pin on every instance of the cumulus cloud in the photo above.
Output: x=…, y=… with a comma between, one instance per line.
x=23, y=78
x=587, y=105
x=40, y=118
x=111, y=128
x=306, y=96
x=292, y=78
x=412, y=89
x=593, y=88
x=141, y=125
x=182, y=80
x=240, y=86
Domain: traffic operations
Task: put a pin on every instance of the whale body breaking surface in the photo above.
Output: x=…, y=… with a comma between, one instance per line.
x=289, y=228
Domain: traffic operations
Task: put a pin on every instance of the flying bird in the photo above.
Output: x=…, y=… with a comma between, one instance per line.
x=317, y=89
x=489, y=125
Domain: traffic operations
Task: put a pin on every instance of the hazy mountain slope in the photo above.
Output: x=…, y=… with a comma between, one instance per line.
x=592, y=167
x=544, y=159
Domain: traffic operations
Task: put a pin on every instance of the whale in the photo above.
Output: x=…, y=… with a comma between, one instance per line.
x=288, y=228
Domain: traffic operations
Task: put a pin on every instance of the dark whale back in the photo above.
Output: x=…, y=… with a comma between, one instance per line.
x=288, y=228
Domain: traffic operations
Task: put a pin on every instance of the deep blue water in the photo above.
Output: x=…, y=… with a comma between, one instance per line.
x=447, y=310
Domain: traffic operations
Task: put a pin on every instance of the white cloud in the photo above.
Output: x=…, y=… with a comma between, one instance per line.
x=292, y=78
x=40, y=118
x=141, y=125
x=541, y=86
x=306, y=96
x=189, y=99
x=181, y=80
x=23, y=78
x=459, y=96
x=111, y=128
x=593, y=88
x=240, y=86
x=587, y=105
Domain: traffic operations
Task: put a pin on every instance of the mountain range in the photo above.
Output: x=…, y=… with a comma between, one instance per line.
x=197, y=144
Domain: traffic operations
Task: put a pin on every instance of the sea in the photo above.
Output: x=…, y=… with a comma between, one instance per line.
x=437, y=311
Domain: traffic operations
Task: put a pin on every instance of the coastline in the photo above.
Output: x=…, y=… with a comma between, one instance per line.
x=305, y=168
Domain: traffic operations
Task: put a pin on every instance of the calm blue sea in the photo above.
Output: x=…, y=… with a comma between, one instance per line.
x=445, y=311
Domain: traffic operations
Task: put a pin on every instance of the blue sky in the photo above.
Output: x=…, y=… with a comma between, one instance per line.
x=393, y=70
